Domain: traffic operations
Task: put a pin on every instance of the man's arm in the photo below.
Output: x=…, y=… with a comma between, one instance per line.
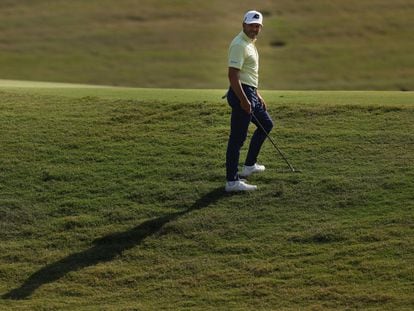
x=234, y=78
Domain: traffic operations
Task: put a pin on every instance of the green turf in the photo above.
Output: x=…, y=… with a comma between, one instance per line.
x=112, y=199
x=318, y=44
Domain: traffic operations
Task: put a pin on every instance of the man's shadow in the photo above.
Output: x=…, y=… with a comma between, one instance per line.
x=105, y=249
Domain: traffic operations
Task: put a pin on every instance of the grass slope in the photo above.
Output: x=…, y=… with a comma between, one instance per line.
x=321, y=44
x=113, y=200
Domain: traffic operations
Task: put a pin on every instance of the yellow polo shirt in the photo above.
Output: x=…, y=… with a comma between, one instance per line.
x=243, y=56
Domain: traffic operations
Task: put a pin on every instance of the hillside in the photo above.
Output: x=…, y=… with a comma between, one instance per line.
x=112, y=199
x=158, y=43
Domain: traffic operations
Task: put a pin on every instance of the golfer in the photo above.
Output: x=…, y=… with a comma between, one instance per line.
x=244, y=100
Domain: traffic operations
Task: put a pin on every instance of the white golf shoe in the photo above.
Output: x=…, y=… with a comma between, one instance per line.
x=238, y=185
x=248, y=170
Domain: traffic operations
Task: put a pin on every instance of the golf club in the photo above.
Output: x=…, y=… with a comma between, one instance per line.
x=274, y=145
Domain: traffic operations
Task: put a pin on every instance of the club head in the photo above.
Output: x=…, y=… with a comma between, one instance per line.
x=290, y=171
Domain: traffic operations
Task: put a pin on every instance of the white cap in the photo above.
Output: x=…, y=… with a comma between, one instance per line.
x=253, y=17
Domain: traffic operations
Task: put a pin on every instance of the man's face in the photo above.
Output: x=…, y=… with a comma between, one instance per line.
x=252, y=30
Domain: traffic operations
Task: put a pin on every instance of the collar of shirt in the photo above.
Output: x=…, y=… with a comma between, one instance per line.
x=246, y=38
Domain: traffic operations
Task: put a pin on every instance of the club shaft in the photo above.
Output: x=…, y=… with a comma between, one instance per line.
x=273, y=143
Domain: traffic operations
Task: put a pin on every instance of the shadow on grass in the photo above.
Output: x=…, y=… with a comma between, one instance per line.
x=105, y=249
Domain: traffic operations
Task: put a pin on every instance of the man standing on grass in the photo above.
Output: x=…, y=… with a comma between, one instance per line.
x=244, y=100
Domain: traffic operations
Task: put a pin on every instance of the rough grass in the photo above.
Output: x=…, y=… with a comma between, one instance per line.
x=157, y=43
x=116, y=202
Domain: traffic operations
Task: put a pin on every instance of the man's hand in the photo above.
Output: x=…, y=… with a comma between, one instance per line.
x=262, y=101
x=245, y=105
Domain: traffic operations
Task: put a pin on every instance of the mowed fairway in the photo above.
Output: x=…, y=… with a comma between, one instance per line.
x=112, y=199
x=318, y=44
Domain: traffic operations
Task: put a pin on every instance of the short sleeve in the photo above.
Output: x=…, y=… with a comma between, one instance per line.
x=236, y=56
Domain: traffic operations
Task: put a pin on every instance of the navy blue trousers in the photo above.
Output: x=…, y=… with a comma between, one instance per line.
x=239, y=125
